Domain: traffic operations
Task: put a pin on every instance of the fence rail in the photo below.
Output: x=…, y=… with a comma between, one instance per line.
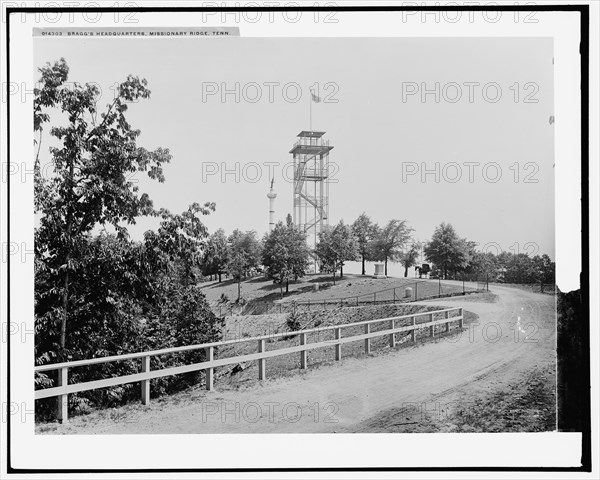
x=64, y=388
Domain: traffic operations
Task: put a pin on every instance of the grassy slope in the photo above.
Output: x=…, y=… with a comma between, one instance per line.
x=285, y=365
x=260, y=289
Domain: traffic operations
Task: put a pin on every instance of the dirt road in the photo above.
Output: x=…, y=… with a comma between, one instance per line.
x=513, y=336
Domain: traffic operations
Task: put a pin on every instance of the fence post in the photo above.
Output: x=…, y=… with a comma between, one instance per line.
x=63, y=401
x=374, y=298
x=262, y=361
x=461, y=320
x=446, y=316
x=367, y=340
x=413, y=333
x=280, y=308
x=340, y=303
x=394, y=295
x=209, y=372
x=324, y=305
x=303, y=352
x=338, y=347
x=357, y=301
x=439, y=286
x=392, y=335
x=146, y=383
x=463, y=283
x=432, y=327
x=416, y=291
x=309, y=305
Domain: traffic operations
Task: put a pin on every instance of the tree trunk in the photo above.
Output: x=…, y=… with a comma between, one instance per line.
x=341, y=271
x=219, y=277
x=287, y=286
x=239, y=289
x=281, y=290
x=63, y=323
x=363, y=265
x=334, y=276
x=406, y=271
x=386, y=266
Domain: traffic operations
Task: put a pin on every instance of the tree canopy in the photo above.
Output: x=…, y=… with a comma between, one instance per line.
x=102, y=294
x=336, y=246
x=409, y=257
x=365, y=232
x=244, y=255
x=447, y=250
x=390, y=240
x=285, y=253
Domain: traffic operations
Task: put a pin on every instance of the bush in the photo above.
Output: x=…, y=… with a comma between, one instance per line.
x=120, y=305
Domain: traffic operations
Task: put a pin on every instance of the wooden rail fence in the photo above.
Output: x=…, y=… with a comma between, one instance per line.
x=146, y=374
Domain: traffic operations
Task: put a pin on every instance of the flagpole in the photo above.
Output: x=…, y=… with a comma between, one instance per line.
x=310, y=110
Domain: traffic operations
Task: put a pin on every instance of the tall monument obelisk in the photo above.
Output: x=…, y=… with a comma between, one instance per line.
x=271, y=196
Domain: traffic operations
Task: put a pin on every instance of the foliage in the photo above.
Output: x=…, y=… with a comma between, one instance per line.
x=98, y=295
x=185, y=318
x=365, y=232
x=447, y=251
x=216, y=254
x=509, y=267
x=285, y=254
x=90, y=183
x=293, y=321
x=335, y=246
x=409, y=258
x=390, y=240
x=244, y=255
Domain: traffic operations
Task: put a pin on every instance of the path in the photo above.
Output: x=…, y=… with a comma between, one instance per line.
x=511, y=337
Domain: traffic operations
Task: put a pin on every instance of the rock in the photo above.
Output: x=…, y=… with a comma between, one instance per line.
x=240, y=367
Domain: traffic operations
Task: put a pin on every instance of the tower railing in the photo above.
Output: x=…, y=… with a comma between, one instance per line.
x=305, y=142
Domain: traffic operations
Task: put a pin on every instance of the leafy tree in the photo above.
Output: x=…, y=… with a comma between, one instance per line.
x=446, y=250
x=129, y=297
x=390, y=240
x=216, y=254
x=182, y=238
x=106, y=295
x=336, y=245
x=90, y=183
x=285, y=254
x=244, y=255
x=483, y=264
x=409, y=258
x=365, y=231
x=547, y=269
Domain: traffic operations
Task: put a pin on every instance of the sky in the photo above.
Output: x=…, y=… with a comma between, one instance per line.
x=384, y=132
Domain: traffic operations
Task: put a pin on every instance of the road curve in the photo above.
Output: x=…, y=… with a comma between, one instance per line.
x=512, y=336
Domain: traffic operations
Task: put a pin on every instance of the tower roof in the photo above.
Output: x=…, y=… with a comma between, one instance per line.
x=310, y=133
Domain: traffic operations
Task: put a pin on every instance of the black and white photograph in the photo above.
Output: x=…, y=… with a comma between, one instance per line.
x=342, y=236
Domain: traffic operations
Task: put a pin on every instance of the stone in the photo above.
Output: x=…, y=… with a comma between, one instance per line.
x=238, y=368
x=379, y=269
